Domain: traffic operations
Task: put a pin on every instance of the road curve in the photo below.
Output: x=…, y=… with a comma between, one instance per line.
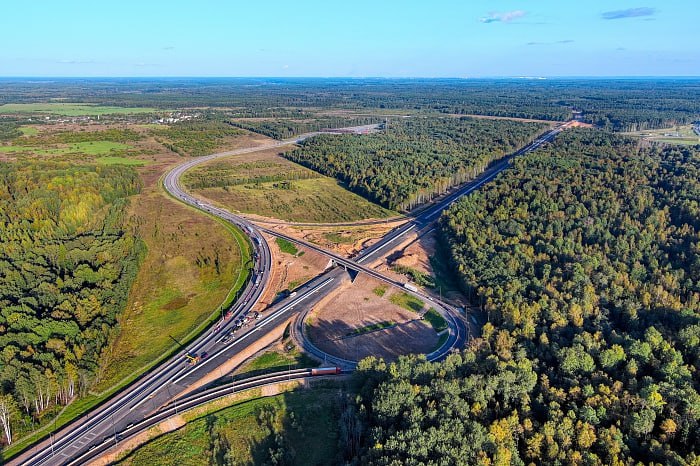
x=174, y=375
x=187, y=403
x=457, y=328
x=165, y=382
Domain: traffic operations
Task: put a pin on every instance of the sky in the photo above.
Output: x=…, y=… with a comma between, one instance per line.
x=388, y=38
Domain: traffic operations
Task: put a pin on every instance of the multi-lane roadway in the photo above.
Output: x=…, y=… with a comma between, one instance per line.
x=170, y=379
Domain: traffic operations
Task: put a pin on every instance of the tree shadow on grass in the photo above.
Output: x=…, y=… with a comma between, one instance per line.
x=304, y=430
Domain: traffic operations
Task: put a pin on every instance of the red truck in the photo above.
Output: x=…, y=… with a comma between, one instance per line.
x=326, y=371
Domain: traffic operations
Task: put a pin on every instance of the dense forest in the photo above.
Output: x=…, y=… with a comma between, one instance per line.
x=415, y=158
x=585, y=257
x=66, y=265
x=283, y=128
x=619, y=104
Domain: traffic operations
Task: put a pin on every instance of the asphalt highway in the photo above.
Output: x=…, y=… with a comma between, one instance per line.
x=187, y=403
x=164, y=383
x=171, y=378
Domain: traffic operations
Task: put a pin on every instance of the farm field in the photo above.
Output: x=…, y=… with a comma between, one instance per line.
x=296, y=194
x=71, y=109
x=82, y=148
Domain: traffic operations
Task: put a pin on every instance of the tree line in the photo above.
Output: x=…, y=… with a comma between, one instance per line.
x=283, y=128
x=619, y=104
x=584, y=257
x=415, y=159
x=67, y=261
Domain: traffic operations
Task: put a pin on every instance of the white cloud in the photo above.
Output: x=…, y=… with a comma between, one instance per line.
x=503, y=17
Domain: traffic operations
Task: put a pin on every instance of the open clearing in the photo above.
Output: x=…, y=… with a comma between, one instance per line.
x=72, y=109
x=293, y=193
x=339, y=325
x=677, y=135
x=86, y=148
x=84, y=143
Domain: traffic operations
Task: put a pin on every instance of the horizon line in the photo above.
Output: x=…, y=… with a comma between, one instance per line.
x=457, y=78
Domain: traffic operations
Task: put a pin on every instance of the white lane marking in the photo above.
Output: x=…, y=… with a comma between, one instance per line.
x=258, y=327
x=360, y=260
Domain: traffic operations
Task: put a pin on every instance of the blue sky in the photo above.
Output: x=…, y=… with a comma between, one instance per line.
x=436, y=38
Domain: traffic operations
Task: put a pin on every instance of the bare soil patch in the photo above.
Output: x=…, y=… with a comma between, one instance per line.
x=416, y=254
x=579, y=124
x=344, y=240
x=289, y=272
x=333, y=326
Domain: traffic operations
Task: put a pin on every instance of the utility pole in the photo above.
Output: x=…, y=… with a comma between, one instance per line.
x=114, y=429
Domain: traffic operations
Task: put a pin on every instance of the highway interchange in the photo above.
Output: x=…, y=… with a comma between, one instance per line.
x=137, y=402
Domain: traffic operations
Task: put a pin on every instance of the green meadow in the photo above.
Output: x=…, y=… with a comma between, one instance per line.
x=71, y=109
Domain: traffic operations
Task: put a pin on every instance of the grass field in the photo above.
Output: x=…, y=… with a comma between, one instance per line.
x=300, y=426
x=380, y=290
x=116, y=160
x=29, y=130
x=86, y=148
x=286, y=246
x=437, y=321
x=274, y=361
x=318, y=200
x=71, y=109
x=407, y=301
x=677, y=135
x=191, y=265
x=372, y=327
x=271, y=186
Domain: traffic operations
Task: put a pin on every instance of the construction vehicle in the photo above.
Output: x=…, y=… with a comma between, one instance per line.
x=192, y=359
